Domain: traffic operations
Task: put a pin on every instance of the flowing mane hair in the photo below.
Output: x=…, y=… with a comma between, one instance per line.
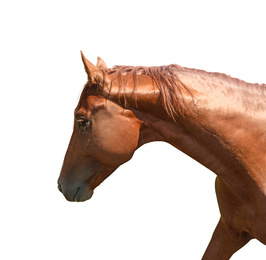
x=175, y=96
x=172, y=89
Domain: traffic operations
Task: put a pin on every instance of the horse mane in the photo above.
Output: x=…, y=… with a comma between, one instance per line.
x=171, y=88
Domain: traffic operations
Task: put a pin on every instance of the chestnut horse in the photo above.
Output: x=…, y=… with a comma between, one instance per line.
x=215, y=119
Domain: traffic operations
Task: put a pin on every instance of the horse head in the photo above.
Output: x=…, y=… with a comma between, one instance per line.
x=105, y=135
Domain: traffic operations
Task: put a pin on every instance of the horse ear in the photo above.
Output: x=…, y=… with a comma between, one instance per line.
x=94, y=73
x=101, y=63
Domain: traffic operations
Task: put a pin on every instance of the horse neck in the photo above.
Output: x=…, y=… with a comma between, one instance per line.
x=216, y=133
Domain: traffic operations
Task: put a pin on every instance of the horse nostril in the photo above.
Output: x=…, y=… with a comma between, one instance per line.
x=59, y=187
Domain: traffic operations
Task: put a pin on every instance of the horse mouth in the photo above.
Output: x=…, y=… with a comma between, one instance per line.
x=75, y=196
x=81, y=195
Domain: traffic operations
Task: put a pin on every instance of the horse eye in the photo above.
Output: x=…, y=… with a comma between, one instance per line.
x=82, y=122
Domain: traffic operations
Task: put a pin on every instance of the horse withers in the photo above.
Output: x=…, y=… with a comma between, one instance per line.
x=215, y=119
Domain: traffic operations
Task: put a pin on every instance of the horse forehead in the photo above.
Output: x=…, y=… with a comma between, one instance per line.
x=94, y=101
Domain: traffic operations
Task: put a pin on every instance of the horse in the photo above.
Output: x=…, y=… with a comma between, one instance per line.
x=217, y=120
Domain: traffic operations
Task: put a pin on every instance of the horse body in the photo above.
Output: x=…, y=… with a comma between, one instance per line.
x=215, y=119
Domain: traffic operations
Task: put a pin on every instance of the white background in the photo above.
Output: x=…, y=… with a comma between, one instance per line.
x=161, y=204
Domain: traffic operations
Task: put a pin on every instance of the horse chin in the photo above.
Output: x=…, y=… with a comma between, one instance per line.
x=80, y=196
x=86, y=195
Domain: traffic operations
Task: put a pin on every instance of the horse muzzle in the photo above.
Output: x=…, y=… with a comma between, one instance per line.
x=78, y=193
